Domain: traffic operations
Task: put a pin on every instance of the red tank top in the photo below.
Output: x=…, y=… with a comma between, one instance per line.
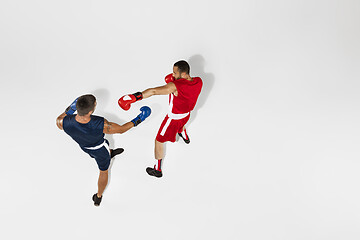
x=188, y=93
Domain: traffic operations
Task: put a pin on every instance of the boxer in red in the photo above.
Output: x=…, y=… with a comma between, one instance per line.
x=183, y=93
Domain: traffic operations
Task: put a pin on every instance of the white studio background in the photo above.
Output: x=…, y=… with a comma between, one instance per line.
x=275, y=135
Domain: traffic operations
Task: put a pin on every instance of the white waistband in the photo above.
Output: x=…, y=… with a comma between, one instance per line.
x=177, y=116
x=96, y=147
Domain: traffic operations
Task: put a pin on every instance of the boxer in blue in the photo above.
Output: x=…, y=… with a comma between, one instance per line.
x=89, y=130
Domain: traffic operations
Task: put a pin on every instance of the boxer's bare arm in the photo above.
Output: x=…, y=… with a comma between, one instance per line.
x=112, y=128
x=59, y=120
x=162, y=90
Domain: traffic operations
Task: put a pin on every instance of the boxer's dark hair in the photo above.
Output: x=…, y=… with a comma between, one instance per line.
x=183, y=67
x=85, y=104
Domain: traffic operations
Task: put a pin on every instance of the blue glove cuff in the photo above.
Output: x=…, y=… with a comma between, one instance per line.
x=136, y=121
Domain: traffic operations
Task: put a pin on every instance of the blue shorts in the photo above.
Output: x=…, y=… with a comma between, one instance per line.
x=101, y=155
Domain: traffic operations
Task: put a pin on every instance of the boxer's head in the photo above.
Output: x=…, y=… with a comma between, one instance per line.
x=86, y=104
x=181, y=69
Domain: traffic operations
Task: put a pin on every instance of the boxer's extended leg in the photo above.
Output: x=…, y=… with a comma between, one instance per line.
x=102, y=182
x=159, y=155
x=159, y=150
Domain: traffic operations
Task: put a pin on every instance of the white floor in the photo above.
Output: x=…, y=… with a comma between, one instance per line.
x=275, y=135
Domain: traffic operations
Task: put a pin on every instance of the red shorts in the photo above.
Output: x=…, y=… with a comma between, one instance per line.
x=169, y=128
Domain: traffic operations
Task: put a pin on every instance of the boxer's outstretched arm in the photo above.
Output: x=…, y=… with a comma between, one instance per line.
x=162, y=90
x=112, y=128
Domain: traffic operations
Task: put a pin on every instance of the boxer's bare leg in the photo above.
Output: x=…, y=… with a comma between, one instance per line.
x=159, y=150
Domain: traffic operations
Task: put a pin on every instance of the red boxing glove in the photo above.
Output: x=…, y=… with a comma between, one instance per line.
x=126, y=101
x=169, y=78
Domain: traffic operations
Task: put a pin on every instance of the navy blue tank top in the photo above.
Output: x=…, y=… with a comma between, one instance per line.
x=85, y=134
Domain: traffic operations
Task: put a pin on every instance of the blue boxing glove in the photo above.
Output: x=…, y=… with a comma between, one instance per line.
x=145, y=112
x=72, y=108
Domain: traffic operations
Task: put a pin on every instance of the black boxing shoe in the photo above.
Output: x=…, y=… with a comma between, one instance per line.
x=96, y=200
x=114, y=152
x=186, y=140
x=154, y=172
